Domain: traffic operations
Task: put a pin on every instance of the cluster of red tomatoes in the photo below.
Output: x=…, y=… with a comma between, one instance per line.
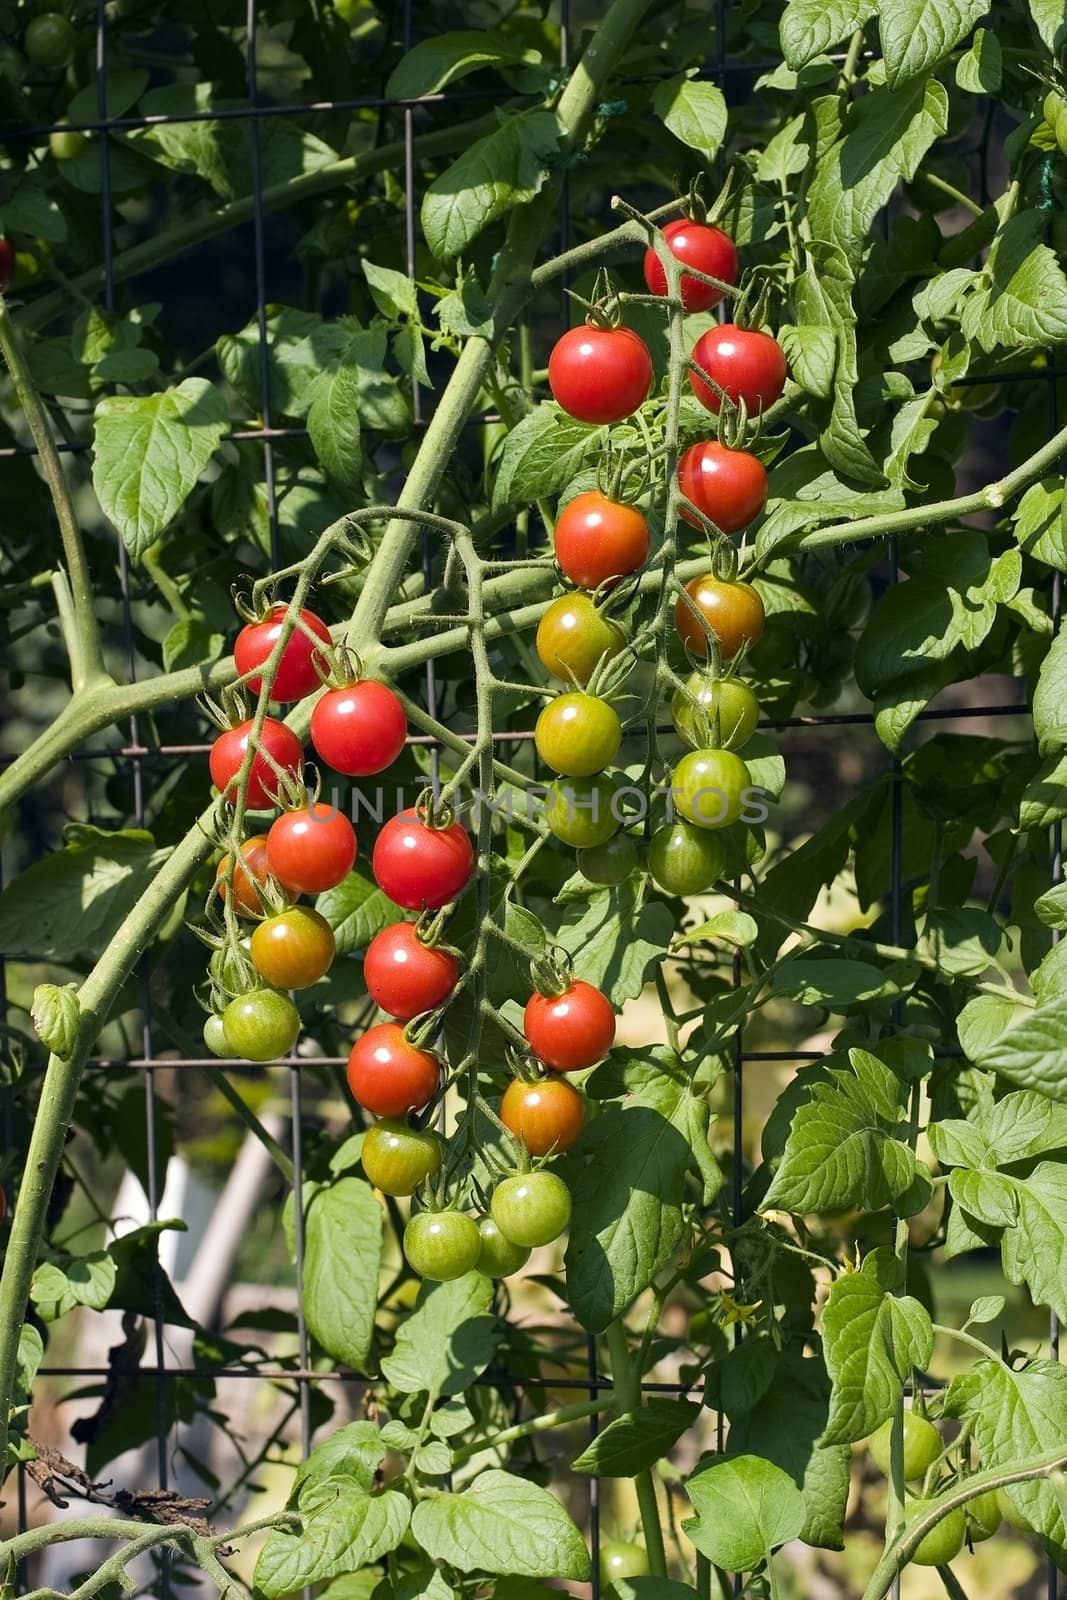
x=600, y=375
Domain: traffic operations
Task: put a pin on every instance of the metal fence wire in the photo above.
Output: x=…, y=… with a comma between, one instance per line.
x=141, y=755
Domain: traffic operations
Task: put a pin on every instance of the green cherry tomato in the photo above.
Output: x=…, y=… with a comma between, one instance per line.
x=685, y=860
x=396, y=1158
x=709, y=787
x=215, y=1037
x=1059, y=127
x=573, y=635
x=497, y=1256
x=49, y=42
x=945, y=1539
x=578, y=735
x=66, y=143
x=1011, y=1513
x=610, y=863
x=922, y=1446
x=619, y=1559
x=737, y=707
x=582, y=812
x=984, y=1516
x=531, y=1208
x=261, y=1025
x=441, y=1245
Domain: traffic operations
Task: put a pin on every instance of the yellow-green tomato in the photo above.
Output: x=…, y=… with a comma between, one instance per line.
x=261, y=1025
x=215, y=1037
x=498, y=1257
x=708, y=787
x=694, y=708
x=984, y=1516
x=397, y=1158
x=441, y=1245
x=621, y=1559
x=573, y=636
x=531, y=1208
x=66, y=143
x=922, y=1446
x=582, y=812
x=683, y=859
x=610, y=863
x=945, y=1539
x=578, y=735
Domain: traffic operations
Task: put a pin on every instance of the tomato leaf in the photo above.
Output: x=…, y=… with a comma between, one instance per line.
x=502, y=1524
x=436, y=62
x=1024, y=305
x=745, y=1508
x=342, y=1528
x=342, y=1255
x=917, y=36
x=872, y=1337
x=614, y=938
x=448, y=1340
x=148, y=454
x=638, y=1439
x=541, y=455
x=810, y=27
x=505, y=169
x=694, y=112
x=356, y=910
x=69, y=906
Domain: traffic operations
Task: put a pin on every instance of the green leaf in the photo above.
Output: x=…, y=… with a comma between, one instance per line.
x=836, y=983
x=333, y=426
x=1051, y=907
x=887, y=134
x=356, y=910
x=800, y=1391
x=614, y=939
x=842, y=1148
x=504, y=170
x=1050, y=22
x=872, y=1337
x=987, y=1308
x=448, y=1341
x=123, y=88
x=502, y=1524
x=694, y=112
x=31, y=211
x=346, y=1529
x=466, y=313
x=811, y=351
x=1025, y=303
x=1050, y=699
x=811, y=27
x=964, y=940
x=1039, y=523
x=434, y=63
x=394, y=293
x=983, y=1020
x=824, y=300
x=745, y=1509
x=69, y=1281
x=1044, y=800
x=1017, y=1414
x=343, y=1252
x=148, y=454
x=628, y=1190
x=730, y=927
x=541, y=455
x=917, y=35
x=56, y=1014
x=68, y=907
x=980, y=70
x=190, y=643
x=354, y=1451
x=638, y=1439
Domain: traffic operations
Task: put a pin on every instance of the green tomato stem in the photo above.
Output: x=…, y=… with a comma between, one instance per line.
x=627, y=1400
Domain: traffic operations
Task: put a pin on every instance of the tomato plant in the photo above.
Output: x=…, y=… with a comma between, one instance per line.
x=599, y=374
x=297, y=674
x=311, y=848
x=404, y=975
x=315, y=368
x=598, y=540
x=359, y=729
x=389, y=1075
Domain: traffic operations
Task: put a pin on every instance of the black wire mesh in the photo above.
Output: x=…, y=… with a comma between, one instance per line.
x=138, y=750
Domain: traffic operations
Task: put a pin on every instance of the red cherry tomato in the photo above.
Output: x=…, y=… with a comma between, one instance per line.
x=359, y=729
x=405, y=976
x=311, y=849
x=598, y=539
x=600, y=374
x=547, y=1116
x=296, y=675
x=571, y=1030
x=228, y=753
x=389, y=1075
x=729, y=486
x=7, y=264
x=694, y=244
x=746, y=364
x=733, y=612
x=419, y=866
x=249, y=873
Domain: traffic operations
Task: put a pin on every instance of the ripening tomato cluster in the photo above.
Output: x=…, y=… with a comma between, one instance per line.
x=358, y=727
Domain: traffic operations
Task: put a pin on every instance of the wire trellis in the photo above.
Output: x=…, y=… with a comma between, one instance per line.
x=137, y=751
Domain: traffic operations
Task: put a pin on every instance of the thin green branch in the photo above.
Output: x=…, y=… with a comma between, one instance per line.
x=627, y=1391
